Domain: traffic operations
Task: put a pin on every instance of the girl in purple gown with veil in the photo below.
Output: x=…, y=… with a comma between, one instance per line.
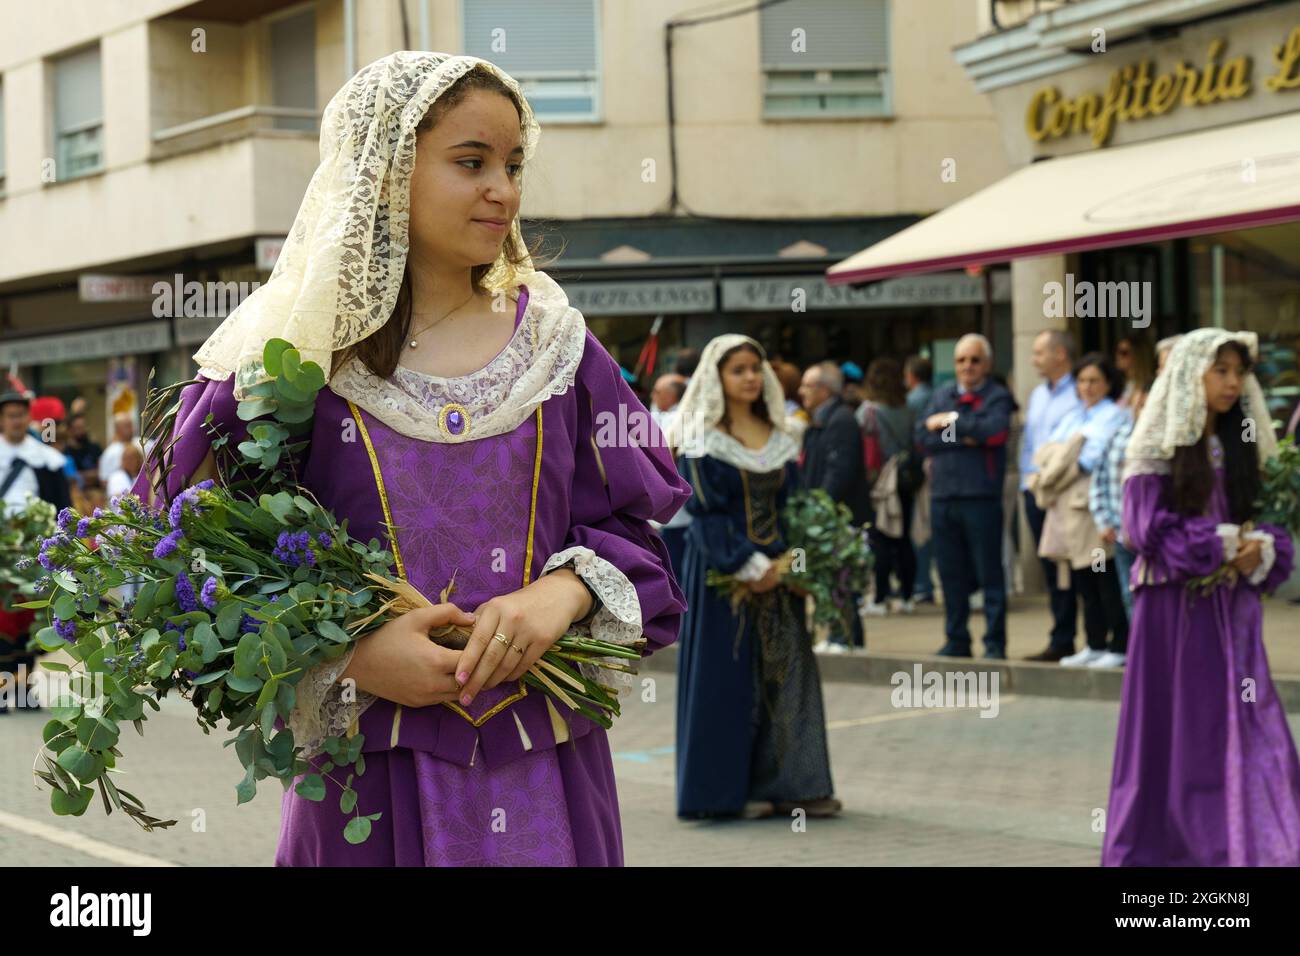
x=464, y=424
x=1206, y=772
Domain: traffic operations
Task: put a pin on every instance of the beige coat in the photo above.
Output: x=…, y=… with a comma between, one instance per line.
x=1070, y=536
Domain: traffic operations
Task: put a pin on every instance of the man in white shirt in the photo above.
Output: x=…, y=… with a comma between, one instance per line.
x=28, y=467
x=1051, y=401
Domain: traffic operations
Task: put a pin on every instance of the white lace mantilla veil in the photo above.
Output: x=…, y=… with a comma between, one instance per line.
x=692, y=432
x=1173, y=415
x=337, y=278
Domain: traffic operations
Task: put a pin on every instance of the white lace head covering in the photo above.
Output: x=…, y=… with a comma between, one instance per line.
x=338, y=275
x=692, y=431
x=1174, y=413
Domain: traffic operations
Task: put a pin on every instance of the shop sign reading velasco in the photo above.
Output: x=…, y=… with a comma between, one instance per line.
x=1136, y=92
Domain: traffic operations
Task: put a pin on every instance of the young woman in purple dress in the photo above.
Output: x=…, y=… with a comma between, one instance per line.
x=462, y=424
x=1206, y=772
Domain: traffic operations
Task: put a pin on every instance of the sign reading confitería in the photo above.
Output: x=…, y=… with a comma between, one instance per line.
x=1144, y=89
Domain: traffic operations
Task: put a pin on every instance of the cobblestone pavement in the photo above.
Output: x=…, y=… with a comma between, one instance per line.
x=920, y=787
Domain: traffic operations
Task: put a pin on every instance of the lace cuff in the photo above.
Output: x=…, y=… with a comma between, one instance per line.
x=1267, y=555
x=615, y=617
x=754, y=568
x=324, y=708
x=1230, y=535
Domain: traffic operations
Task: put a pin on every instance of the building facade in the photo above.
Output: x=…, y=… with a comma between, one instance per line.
x=164, y=141
x=1216, y=82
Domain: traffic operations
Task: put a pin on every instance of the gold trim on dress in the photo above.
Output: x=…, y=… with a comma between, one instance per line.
x=379, y=483
x=532, y=506
x=749, y=517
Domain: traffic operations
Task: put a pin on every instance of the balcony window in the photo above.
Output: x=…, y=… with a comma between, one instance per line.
x=825, y=58
x=550, y=49
x=78, y=115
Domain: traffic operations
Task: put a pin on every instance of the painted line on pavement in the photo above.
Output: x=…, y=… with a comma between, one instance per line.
x=82, y=844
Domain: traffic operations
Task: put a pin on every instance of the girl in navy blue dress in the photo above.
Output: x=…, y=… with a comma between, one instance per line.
x=751, y=731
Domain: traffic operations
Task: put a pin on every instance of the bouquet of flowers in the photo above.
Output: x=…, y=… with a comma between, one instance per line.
x=20, y=534
x=1279, y=493
x=1278, y=504
x=826, y=556
x=240, y=587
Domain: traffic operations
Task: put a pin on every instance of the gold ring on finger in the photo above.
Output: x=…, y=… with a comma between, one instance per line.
x=498, y=636
x=516, y=647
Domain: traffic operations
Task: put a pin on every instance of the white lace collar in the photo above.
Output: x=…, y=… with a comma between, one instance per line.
x=780, y=447
x=540, y=360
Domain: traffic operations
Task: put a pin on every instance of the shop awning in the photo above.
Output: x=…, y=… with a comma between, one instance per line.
x=1232, y=177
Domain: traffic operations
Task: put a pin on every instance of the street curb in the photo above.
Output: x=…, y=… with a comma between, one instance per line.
x=1016, y=677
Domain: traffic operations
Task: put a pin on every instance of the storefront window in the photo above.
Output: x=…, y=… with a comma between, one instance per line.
x=1250, y=281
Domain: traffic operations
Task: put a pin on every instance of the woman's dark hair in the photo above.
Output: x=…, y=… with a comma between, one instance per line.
x=758, y=406
x=788, y=374
x=884, y=383
x=686, y=362
x=1193, y=474
x=381, y=350
x=920, y=367
x=1099, y=361
x=1143, y=370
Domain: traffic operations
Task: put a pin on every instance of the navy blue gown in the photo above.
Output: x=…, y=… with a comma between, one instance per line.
x=750, y=721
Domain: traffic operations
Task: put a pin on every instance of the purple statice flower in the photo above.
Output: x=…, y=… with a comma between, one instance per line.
x=185, y=598
x=127, y=504
x=205, y=484
x=25, y=562
x=191, y=674
x=209, y=594
x=47, y=558
x=180, y=634
x=248, y=625
x=168, y=544
x=42, y=584
x=66, y=629
x=274, y=598
x=83, y=528
x=325, y=541
x=188, y=496
x=64, y=519
x=294, y=549
x=97, y=513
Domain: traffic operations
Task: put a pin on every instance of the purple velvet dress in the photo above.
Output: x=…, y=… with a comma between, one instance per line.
x=466, y=787
x=1205, y=772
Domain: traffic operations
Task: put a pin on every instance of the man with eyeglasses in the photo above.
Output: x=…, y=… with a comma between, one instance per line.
x=964, y=431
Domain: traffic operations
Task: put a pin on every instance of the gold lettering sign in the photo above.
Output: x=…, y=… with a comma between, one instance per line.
x=1287, y=58
x=1137, y=92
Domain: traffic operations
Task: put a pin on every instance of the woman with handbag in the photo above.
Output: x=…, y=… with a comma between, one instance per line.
x=886, y=424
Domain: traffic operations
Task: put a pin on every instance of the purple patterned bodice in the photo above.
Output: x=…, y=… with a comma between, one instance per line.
x=461, y=508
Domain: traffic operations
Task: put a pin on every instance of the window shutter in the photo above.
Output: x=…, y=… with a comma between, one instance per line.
x=77, y=98
x=558, y=36
x=839, y=34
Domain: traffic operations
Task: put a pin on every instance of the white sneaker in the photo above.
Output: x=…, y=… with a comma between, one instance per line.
x=899, y=606
x=1082, y=659
x=872, y=609
x=1107, y=659
x=821, y=647
x=833, y=648
x=977, y=601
